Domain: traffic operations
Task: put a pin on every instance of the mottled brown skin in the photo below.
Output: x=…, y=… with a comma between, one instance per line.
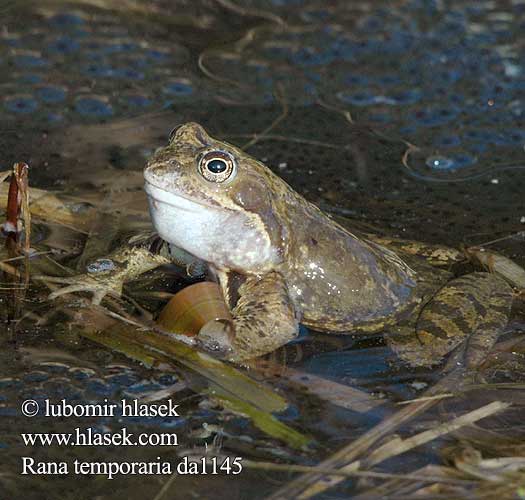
x=281, y=261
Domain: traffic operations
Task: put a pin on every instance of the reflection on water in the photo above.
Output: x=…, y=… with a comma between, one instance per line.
x=406, y=116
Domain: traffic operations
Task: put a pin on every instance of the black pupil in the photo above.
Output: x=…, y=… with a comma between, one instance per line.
x=216, y=166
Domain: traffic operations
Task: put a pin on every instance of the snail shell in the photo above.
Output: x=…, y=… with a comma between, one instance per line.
x=194, y=306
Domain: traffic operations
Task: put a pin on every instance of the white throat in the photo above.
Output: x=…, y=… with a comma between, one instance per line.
x=222, y=237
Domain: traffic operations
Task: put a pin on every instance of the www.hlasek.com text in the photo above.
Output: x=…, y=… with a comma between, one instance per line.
x=90, y=437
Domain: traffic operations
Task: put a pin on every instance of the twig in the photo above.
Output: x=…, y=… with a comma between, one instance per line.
x=279, y=93
x=398, y=446
x=519, y=234
x=349, y=473
x=338, y=394
x=426, y=398
x=345, y=458
x=395, y=447
x=306, y=486
x=122, y=318
x=283, y=138
x=33, y=254
x=346, y=114
x=21, y=174
x=243, y=11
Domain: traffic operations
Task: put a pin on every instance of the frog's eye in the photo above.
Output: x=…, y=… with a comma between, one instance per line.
x=217, y=166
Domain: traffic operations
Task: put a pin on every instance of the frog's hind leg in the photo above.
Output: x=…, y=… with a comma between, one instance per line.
x=264, y=317
x=435, y=255
x=470, y=311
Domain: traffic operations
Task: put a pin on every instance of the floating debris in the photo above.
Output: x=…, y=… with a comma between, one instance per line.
x=498, y=264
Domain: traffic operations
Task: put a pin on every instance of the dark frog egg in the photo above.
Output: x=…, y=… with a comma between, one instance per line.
x=167, y=379
x=101, y=387
x=447, y=141
x=29, y=78
x=54, y=118
x=10, y=382
x=36, y=376
x=360, y=98
x=54, y=367
x=179, y=87
x=464, y=160
x=20, y=104
x=406, y=97
x=61, y=387
x=143, y=386
x=137, y=101
x=63, y=45
x=311, y=56
x=433, y=117
x=128, y=74
x=123, y=379
x=93, y=106
x=29, y=60
x=81, y=373
x=121, y=46
x=96, y=70
x=158, y=55
x=379, y=117
x=51, y=94
x=63, y=19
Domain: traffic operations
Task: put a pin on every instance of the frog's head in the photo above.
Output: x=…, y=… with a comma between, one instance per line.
x=214, y=201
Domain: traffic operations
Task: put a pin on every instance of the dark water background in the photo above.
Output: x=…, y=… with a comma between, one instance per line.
x=90, y=89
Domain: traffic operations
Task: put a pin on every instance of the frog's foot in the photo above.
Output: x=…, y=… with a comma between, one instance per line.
x=194, y=267
x=263, y=319
x=468, y=313
x=216, y=336
x=97, y=287
x=107, y=276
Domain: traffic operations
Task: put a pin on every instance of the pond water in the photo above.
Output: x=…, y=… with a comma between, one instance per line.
x=404, y=118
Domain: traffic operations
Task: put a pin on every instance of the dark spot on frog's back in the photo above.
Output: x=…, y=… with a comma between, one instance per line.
x=314, y=241
x=444, y=327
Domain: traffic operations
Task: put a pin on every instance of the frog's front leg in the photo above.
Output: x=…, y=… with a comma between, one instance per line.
x=264, y=317
x=469, y=312
x=108, y=275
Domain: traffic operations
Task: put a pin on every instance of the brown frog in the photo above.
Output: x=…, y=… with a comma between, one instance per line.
x=281, y=261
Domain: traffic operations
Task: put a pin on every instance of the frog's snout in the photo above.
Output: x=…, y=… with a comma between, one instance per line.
x=162, y=174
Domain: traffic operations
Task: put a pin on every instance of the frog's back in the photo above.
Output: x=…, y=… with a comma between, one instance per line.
x=340, y=282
